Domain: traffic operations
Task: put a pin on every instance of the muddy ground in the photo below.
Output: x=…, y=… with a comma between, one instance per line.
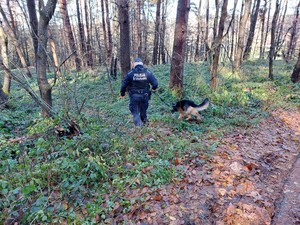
x=252, y=179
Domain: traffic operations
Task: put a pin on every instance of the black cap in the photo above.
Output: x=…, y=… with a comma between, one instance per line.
x=138, y=61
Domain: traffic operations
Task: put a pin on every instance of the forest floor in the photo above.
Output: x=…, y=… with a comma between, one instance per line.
x=239, y=166
x=252, y=178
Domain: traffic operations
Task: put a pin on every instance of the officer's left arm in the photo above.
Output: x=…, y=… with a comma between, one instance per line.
x=153, y=81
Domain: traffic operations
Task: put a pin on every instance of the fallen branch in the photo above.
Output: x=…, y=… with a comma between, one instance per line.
x=24, y=138
x=27, y=88
x=72, y=126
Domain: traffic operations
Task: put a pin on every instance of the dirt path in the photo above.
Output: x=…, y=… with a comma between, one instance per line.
x=289, y=210
x=250, y=180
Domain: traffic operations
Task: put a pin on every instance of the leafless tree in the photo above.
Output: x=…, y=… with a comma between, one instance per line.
x=241, y=34
x=46, y=12
x=33, y=25
x=156, y=33
x=69, y=33
x=109, y=34
x=295, y=77
x=217, y=45
x=216, y=19
x=4, y=53
x=123, y=6
x=254, y=16
x=199, y=23
x=291, y=43
x=272, y=43
x=207, y=48
x=82, y=43
x=163, y=32
x=177, y=63
x=104, y=31
x=280, y=36
x=262, y=16
x=267, y=30
x=88, y=27
x=233, y=31
x=13, y=36
x=3, y=97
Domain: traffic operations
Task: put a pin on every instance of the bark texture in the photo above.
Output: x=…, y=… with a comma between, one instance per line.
x=177, y=64
x=124, y=37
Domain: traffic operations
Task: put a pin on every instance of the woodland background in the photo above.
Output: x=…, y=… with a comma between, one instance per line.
x=69, y=152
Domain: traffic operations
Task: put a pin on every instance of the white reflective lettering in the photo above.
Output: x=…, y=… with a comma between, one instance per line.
x=139, y=76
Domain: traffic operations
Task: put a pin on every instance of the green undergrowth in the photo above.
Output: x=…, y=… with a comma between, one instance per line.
x=80, y=180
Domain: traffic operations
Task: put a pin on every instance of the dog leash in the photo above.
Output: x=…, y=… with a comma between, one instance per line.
x=167, y=104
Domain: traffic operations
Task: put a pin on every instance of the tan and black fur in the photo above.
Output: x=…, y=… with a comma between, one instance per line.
x=188, y=108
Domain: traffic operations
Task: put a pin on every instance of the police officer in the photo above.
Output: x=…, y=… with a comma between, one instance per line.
x=137, y=82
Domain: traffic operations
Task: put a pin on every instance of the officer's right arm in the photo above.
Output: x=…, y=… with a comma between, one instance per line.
x=153, y=82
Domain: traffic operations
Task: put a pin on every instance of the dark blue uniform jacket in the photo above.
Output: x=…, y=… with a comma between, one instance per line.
x=138, y=80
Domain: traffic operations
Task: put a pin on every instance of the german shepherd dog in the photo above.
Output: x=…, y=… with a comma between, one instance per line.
x=188, y=108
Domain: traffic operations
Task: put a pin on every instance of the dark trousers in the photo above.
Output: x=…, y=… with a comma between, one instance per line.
x=138, y=107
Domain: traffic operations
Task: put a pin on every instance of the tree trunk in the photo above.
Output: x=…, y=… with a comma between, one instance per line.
x=33, y=24
x=104, y=32
x=139, y=29
x=292, y=39
x=241, y=35
x=207, y=48
x=69, y=32
x=217, y=45
x=12, y=13
x=197, y=47
x=179, y=45
x=15, y=41
x=145, y=34
x=4, y=53
x=279, y=37
x=233, y=31
x=109, y=34
x=163, y=33
x=252, y=30
x=53, y=49
x=295, y=74
x=82, y=44
x=216, y=19
x=124, y=37
x=156, y=33
x=3, y=97
x=46, y=13
x=99, y=45
x=89, y=35
x=26, y=87
x=115, y=67
x=267, y=28
x=273, y=33
x=262, y=15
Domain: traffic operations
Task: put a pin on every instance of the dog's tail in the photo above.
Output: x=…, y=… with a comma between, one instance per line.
x=204, y=105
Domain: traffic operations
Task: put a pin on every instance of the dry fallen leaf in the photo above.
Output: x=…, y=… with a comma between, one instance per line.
x=83, y=210
x=249, y=166
x=171, y=217
x=97, y=218
x=147, y=169
x=157, y=197
x=151, y=152
x=177, y=161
